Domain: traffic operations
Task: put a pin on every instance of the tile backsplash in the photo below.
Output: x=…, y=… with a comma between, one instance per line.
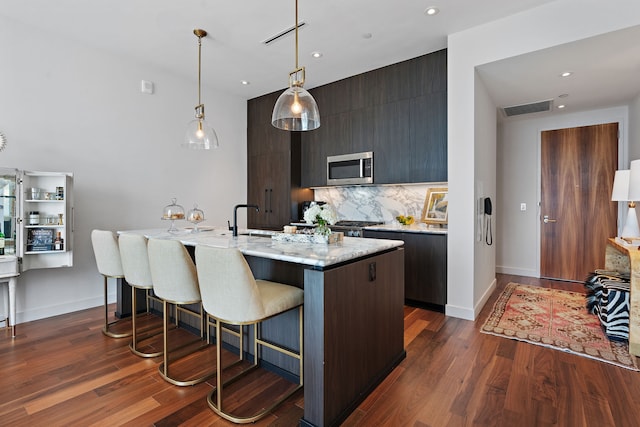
x=376, y=203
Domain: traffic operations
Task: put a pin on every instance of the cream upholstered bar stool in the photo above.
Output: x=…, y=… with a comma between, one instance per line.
x=135, y=265
x=107, y=253
x=231, y=295
x=175, y=281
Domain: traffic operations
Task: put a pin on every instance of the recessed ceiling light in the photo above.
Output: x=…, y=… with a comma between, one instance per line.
x=367, y=35
x=245, y=82
x=316, y=54
x=431, y=10
x=566, y=74
x=561, y=106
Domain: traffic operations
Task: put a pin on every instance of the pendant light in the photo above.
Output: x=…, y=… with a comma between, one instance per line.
x=295, y=109
x=200, y=135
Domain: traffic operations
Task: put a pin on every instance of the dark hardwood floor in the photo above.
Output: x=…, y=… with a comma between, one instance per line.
x=63, y=371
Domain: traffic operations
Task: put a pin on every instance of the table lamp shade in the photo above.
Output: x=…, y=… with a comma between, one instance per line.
x=620, y=191
x=634, y=181
x=626, y=188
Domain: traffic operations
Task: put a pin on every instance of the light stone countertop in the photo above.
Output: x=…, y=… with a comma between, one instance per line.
x=259, y=243
x=413, y=228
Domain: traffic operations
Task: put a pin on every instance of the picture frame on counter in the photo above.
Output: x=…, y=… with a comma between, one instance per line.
x=436, y=206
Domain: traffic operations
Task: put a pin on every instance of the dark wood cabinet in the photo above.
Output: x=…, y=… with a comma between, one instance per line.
x=399, y=112
x=425, y=270
x=273, y=168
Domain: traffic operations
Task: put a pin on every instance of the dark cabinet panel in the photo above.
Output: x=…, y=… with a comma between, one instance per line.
x=269, y=189
x=392, y=144
x=428, y=124
x=273, y=168
x=399, y=112
x=425, y=258
x=329, y=139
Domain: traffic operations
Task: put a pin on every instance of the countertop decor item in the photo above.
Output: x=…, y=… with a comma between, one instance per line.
x=200, y=135
x=405, y=220
x=323, y=215
x=195, y=216
x=295, y=109
x=556, y=319
x=172, y=213
x=326, y=239
x=436, y=206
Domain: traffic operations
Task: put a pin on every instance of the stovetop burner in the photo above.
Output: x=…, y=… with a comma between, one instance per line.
x=347, y=223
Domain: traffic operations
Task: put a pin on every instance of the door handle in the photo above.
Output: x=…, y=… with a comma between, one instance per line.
x=546, y=219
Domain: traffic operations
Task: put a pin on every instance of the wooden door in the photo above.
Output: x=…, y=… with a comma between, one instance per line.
x=576, y=212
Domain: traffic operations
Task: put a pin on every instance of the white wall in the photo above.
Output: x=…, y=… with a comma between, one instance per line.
x=485, y=179
x=518, y=243
x=64, y=107
x=634, y=130
x=551, y=24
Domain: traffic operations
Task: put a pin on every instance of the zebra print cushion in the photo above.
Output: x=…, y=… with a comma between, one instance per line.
x=608, y=298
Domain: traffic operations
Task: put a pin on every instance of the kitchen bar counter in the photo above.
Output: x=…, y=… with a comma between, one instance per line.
x=259, y=243
x=353, y=311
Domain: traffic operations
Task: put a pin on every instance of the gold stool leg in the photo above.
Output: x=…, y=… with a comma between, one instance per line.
x=163, y=369
x=134, y=330
x=105, y=329
x=217, y=405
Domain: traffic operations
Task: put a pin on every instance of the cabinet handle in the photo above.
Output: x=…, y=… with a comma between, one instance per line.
x=266, y=195
x=270, y=199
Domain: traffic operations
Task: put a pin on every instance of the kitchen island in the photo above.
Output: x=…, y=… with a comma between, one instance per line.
x=353, y=311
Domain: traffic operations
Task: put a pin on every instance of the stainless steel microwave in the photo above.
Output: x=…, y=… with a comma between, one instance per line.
x=356, y=168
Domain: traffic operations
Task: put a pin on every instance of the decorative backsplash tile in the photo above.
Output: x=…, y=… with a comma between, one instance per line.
x=376, y=203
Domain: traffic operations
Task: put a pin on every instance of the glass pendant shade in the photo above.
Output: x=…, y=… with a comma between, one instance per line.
x=200, y=136
x=296, y=110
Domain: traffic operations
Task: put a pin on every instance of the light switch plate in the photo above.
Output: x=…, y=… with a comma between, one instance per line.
x=146, y=86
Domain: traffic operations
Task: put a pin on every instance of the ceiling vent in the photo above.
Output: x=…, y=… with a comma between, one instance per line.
x=534, y=107
x=282, y=33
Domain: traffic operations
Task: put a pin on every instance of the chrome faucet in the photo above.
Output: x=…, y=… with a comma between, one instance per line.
x=235, y=216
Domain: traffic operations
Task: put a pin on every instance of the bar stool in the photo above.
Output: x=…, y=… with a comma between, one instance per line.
x=105, y=248
x=231, y=295
x=135, y=265
x=175, y=281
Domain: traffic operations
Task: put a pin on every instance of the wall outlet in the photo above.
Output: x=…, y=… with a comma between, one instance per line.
x=523, y=207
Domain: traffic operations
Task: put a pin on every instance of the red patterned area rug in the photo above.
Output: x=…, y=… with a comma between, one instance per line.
x=555, y=319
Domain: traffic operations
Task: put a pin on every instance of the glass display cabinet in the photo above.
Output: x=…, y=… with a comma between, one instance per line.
x=36, y=230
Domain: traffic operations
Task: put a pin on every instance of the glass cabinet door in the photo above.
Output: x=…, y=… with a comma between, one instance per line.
x=8, y=209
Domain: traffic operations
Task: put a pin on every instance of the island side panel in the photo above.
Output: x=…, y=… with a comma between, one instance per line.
x=353, y=334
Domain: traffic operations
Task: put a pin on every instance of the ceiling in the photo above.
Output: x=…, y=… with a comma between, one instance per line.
x=605, y=73
x=354, y=36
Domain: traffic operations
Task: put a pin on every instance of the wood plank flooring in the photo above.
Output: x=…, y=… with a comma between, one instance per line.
x=62, y=371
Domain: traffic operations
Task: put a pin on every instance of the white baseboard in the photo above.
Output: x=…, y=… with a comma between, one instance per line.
x=56, y=310
x=467, y=313
x=517, y=271
x=485, y=297
x=458, y=312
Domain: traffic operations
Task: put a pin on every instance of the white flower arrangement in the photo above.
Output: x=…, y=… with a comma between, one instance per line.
x=320, y=214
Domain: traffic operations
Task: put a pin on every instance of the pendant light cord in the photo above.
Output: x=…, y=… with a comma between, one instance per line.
x=199, y=66
x=296, y=34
